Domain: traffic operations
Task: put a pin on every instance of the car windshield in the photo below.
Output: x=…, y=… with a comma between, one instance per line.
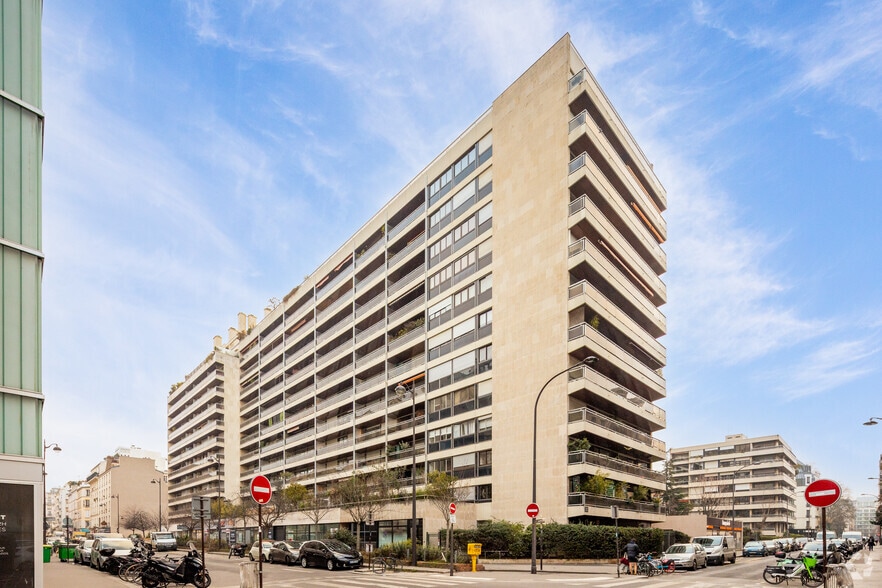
x=679, y=549
x=753, y=544
x=338, y=546
x=117, y=543
x=162, y=536
x=813, y=546
x=708, y=541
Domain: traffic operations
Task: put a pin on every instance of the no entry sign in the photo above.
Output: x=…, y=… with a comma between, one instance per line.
x=261, y=490
x=532, y=510
x=822, y=493
x=452, y=508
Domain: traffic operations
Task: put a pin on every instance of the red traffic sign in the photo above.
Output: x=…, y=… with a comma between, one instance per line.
x=822, y=493
x=532, y=510
x=261, y=490
x=452, y=508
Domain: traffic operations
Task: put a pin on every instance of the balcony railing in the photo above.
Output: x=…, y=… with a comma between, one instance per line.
x=407, y=279
x=331, y=423
x=409, y=307
x=333, y=399
x=577, y=79
x=418, y=361
x=390, y=234
x=399, y=255
x=653, y=375
x=366, y=359
x=360, y=284
x=589, y=416
x=365, y=307
x=334, y=305
x=366, y=254
x=370, y=382
x=578, y=120
x=365, y=334
x=577, y=162
x=324, y=288
x=612, y=387
x=586, y=499
x=610, y=463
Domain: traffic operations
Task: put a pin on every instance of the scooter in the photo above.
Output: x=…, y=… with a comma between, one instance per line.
x=187, y=570
x=237, y=549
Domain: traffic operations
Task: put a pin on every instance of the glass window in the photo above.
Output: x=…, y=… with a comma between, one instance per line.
x=441, y=213
x=464, y=295
x=466, y=429
x=463, y=195
x=466, y=326
x=485, y=318
x=485, y=248
x=485, y=429
x=485, y=214
x=464, y=162
x=439, y=371
x=443, y=243
x=485, y=284
x=437, y=309
x=485, y=358
x=465, y=261
x=440, y=408
x=439, y=339
x=485, y=143
x=463, y=366
x=461, y=460
x=464, y=399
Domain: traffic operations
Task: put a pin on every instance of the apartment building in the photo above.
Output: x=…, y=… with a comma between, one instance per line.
x=203, y=425
x=754, y=478
x=22, y=476
x=119, y=485
x=530, y=245
x=808, y=517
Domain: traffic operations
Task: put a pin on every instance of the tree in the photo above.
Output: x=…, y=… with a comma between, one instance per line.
x=674, y=498
x=442, y=490
x=365, y=494
x=138, y=520
x=315, y=508
x=840, y=515
x=287, y=500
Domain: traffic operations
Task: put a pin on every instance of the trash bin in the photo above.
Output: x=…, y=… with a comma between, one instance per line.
x=47, y=553
x=66, y=552
x=248, y=574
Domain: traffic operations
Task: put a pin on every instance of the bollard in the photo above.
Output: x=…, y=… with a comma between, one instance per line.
x=248, y=574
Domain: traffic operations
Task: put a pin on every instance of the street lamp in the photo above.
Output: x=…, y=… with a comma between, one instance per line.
x=158, y=482
x=217, y=461
x=873, y=421
x=117, y=510
x=401, y=393
x=56, y=448
x=587, y=361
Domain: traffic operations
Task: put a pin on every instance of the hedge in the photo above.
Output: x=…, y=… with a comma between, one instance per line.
x=564, y=541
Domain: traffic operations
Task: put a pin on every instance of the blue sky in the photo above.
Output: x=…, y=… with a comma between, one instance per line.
x=203, y=157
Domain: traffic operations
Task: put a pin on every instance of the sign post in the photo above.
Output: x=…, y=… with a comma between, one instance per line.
x=823, y=493
x=201, y=508
x=261, y=493
x=450, y=523
x=614, y=513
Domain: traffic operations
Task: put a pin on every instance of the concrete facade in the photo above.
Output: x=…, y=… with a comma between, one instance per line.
x=530, y=244
x=754, y=477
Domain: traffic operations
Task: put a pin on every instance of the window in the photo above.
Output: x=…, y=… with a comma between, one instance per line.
x=464, y=229
x=464, y=333
x=440, y=465
x=439, y=408
x=485, y=183
x=464, y=295
x=485, y=319
x=485, y=143
x=463, y=366
x=485, y=358
x=484, y=493
x=439, y=375
x=464, y=262
x=443, y=243
x=485, y=214
x=440, y=217
x=485, y=289
x=439, y=439
x=463, y=196
x=466, y=160
x=464, y=400
x=438, y=278
x=485, y=394
x=464, y=466
x=439, y=345
x=464, y=433
x=485, y=463
x=485, y=429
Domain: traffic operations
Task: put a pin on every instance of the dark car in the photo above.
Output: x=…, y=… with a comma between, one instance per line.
x=331, y=554
x=286, y=552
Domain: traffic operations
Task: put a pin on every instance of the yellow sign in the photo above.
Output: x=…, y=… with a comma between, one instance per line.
x=474, y=549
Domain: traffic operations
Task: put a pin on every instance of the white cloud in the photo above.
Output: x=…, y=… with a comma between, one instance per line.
x=833, y=365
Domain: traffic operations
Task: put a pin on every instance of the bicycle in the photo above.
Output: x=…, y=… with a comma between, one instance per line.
x=381, y=564
x=806, y=569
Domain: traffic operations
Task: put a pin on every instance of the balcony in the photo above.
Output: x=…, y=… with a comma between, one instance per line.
x=393, y=231
x=365, y=255
x=587, y=499
x=405, y=310
x=406, y=280
x=597, y=460
x=368, y=333
x=400, y=255
x=337, y=304
x=589, y=416
x=409, y=334
x=597, y=383
x=417, y=362
x=327, y=286
x=362, y=309
x=369, y=279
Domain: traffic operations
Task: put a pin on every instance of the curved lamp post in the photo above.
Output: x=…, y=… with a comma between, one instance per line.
x=56, y=448
x=401, y=394
x=587, y=361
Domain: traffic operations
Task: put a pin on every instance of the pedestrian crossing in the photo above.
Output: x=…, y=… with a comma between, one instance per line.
x=388, y=580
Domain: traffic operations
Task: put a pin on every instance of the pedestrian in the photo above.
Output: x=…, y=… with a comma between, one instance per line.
x=871, y=542
x=633, y=552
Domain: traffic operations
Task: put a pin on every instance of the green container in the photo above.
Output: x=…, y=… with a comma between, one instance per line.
x=66, y=552
x=47, y=553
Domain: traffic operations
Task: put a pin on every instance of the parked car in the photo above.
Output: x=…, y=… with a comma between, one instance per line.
x=286, y=552
x=330, y=554
x=83, y=553
x=720, y=548
x=264, y=551
x=754, y=548
x=690, y=556
x=812, y=548
x=101, y=547
x=163, y=541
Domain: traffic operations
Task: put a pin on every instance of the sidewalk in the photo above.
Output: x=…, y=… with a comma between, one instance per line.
x=57, y=574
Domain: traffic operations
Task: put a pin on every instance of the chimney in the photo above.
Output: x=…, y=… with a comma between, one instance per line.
x=232, y=334
x=218, y=341
x=241, y=322
x=252, y=321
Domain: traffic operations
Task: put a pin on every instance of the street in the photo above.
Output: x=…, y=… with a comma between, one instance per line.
x=745, y=573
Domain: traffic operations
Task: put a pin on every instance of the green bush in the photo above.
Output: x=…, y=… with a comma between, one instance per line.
x=343, y=535
x=561, y=541
x=399, y=550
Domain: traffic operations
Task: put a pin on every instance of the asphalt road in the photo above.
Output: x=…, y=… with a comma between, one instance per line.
x=745, y=573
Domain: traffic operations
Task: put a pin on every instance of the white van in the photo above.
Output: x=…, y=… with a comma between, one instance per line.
x=163, y=541
x=820, y=536
x=719, y=548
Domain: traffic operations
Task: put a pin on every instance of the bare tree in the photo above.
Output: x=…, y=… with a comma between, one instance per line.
x=841, y=515
x=442, y=490
x=364, y=495
x=138, y=519
x=315, y=508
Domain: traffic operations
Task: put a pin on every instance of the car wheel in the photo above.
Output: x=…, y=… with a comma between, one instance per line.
x=694, y=565
x=330, y=565
x=303, y=563
x=269, y=559
x=251, y=557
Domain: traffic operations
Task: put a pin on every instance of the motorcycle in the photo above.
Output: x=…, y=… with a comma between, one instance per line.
x=237, y=549
x=188, y=570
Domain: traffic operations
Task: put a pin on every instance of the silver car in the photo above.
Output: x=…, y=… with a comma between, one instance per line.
x=119, y=545
x=689, y=556
x=83, y=552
